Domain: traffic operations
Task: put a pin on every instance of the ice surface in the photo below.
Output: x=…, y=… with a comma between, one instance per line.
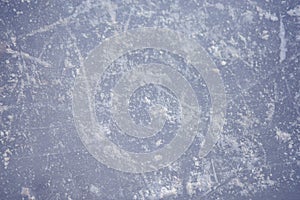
x=251, y=151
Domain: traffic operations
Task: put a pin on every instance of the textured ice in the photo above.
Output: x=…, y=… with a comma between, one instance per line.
x=150, y=86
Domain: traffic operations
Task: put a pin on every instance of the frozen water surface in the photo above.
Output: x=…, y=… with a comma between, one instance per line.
x=149, y=99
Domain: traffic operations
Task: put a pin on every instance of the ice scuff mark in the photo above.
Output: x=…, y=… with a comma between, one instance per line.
x=83, y=8
x=271, y=110
x=29, y=57
x=167, y=192
x=5, y=48
x=160, y=187
x=282, y=47
x=295, y=12
x=111, y=8
x=95, y=190
x=26, y=193
x=282, y=136
x=248, y=17
x=203, y=184
x=6, y=156
x=267, y=15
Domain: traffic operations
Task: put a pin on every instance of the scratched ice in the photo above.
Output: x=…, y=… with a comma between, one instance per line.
x=196, y=100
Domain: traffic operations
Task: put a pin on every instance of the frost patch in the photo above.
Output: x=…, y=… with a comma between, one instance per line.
x=25, y=192
x=294, y=12
x=95, y=190
x=266, y=14
x=165, y=192
x=6, y=156
x=282, y=136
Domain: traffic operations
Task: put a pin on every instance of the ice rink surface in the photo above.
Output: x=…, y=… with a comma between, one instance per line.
x=147, y=100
